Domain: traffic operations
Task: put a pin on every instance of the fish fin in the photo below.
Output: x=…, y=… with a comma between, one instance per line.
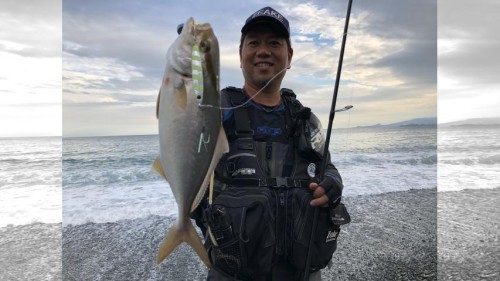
x=222, y=139
x=221, y=147
x=176, y=236
x=157, y=167
x=158, y=105
x=181, y=96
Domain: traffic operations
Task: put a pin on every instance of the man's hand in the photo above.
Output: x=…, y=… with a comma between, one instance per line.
x=325, y=192
x=320, y=198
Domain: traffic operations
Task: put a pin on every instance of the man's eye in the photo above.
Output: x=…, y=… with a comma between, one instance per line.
x=275, y=43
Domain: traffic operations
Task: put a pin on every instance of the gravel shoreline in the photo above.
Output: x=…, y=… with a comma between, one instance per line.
x=392, y=236
x=469, y=235
x=31, y=252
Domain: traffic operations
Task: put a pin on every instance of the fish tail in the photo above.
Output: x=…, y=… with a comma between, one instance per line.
x=178, y=234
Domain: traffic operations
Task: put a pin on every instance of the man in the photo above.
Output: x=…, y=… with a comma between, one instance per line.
x=257, y=224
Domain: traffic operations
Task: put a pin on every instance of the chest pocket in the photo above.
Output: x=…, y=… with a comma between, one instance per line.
x=242, y=161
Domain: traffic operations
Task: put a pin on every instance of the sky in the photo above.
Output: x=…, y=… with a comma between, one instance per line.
x=30, y=68
x=90, y=68
x=468, y=59
x=114, y=57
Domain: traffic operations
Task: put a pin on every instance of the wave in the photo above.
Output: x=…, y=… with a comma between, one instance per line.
x=382, y=159
x=125, y=175
x=493, y=160
x=473, y=160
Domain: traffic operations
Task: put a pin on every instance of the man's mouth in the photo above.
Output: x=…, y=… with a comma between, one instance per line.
x=263, y=64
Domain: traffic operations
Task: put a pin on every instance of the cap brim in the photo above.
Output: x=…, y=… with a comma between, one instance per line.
x=275, y=24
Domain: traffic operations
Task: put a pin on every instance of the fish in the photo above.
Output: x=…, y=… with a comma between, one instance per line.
x=192, y=139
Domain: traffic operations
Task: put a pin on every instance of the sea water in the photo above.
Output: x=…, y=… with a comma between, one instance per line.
x=30, y=180
x=110, y=178
x=469, y=158
x=380, y=160
x=106, y=179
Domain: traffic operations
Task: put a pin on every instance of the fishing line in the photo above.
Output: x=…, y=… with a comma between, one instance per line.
x=263, y=87
x=288, y=67
x=355, y=26
x=251, y=98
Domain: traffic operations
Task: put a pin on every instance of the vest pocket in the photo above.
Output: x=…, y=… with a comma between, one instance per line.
x=242, y=162
x=246, y=250
x=325, y=236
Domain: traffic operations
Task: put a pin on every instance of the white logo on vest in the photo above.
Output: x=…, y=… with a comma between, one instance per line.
x=331, y=236
x=311, y=170
x=244, y=171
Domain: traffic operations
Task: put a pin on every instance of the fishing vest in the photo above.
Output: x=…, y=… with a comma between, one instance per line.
x=283, y=156
x=261, y=212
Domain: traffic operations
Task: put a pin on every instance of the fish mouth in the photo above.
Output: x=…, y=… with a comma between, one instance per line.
x=202, y=27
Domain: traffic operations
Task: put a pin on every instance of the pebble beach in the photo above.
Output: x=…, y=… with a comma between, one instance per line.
x=392, y=236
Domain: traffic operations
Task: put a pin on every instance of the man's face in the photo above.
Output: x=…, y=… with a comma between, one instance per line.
x=263, y=54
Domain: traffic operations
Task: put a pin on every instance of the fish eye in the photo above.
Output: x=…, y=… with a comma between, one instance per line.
x=205, y=46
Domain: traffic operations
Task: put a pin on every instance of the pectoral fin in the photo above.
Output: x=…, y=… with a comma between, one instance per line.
x=181, y=97
x=157, y=167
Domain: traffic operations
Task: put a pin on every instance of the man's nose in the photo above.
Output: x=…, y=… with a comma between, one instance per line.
x=263, y=50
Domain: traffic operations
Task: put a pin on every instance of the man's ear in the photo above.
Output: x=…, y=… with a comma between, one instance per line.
x=290, y=55
x=240, y=60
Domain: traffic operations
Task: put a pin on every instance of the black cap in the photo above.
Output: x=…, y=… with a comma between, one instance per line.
x=270, y=15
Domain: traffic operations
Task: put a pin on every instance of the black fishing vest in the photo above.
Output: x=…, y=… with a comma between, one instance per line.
x=266, y=156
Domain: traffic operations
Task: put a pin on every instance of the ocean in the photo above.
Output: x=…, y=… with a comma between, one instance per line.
x=107, y=179
x=30, y=180
x=469, y=158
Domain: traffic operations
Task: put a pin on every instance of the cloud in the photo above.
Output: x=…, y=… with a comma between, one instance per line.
x=390, y=59
x=30, y=69
x=114, y=55
x=468, y=59
x=31, y=29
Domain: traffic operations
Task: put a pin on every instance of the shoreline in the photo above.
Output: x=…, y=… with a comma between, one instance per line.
x=402, y=235
x=31, y=252
x=469, y=234
x=392, y=236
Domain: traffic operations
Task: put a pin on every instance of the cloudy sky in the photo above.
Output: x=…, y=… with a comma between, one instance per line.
x=30, y=68
x=468, y=59
x=113, y=54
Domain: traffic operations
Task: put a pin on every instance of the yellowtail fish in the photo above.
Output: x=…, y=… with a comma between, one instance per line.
x=192, y=139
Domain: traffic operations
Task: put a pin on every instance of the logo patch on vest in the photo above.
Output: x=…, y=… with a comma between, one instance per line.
x=331, y=236
x=317, y=140
x=268, y=131
x=311, y=170
x=244, y=171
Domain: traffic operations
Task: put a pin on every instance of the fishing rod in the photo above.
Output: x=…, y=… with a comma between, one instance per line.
x=327, y=142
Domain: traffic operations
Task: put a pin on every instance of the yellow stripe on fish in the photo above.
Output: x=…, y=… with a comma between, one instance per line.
x=197, y=73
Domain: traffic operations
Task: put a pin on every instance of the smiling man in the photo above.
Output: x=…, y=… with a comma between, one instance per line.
x=265, y=51
x=258, y=222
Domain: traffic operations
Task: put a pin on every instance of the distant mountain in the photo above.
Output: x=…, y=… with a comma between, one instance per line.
x=474, y=122
x=428, y=121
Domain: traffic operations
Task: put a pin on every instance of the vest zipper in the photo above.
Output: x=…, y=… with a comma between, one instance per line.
x=281, y=221
x=269, y=150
